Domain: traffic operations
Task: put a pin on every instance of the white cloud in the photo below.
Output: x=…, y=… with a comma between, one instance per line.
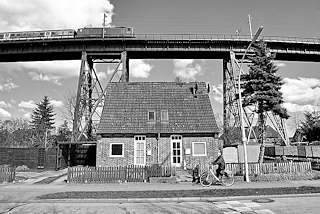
x=27, y=116
x=8, y=85
x=217, y=93
x=139, y=68
x=56, y=103
x=4, y=104
x=280, y=64
x=293, y=107
x=4, y=113
x=48, y=14
x=102, y=75
x=186, y=68
x=301, y=90
x=27, y=104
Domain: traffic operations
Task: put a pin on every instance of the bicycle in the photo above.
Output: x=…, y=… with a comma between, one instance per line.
x=207, y=178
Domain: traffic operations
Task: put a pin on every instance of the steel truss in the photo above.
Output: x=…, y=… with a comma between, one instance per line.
x=91, y=93
x=231, y=109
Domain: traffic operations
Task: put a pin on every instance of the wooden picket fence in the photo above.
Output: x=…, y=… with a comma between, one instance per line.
x=7, y=174
x=117, y=174
x=269, y=168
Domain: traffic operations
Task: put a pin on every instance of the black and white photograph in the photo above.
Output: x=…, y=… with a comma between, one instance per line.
x=159, y=106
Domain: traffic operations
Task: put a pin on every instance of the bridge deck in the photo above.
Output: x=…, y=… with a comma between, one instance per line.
x=165, y=46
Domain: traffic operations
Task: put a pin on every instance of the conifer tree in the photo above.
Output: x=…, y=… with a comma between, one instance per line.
x=261, y=88
x=42, y=119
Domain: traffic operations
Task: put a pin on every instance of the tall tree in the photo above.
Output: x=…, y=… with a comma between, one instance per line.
x=261, y=88
x=311, y=126
x=42, y=119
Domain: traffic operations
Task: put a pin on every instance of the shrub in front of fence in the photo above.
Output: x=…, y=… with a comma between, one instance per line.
x=117, y=174
x=7, y=174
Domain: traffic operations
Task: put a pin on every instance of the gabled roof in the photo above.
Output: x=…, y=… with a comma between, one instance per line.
x=126, y=108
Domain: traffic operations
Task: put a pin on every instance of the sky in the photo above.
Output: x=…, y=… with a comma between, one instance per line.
x=23, y=84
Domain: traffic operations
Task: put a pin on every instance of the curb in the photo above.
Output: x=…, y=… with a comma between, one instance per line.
x=177, y=199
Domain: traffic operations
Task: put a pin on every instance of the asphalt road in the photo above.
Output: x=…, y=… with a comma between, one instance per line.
x=284, y=205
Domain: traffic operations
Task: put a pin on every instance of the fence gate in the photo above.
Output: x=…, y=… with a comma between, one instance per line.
x=41, y=158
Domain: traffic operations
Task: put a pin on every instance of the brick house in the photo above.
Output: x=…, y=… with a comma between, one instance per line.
x=166, y=123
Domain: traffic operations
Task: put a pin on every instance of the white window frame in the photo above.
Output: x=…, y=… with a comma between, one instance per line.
x=167, y=114
x=205, y=149
x=116, y=156
x=179, y=140
x=144, y=150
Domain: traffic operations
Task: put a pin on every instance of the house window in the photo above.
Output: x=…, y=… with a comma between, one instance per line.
x=199, y=149
x=164, y=116
x=116, y=150
x=151, y=116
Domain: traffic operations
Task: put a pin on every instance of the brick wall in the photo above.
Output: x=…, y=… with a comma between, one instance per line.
x=163, y=155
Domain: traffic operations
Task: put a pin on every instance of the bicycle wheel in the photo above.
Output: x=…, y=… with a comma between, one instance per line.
x=206, y=179
x=227, y=179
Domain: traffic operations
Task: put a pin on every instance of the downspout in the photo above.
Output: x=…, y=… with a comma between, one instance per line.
x=158, y=148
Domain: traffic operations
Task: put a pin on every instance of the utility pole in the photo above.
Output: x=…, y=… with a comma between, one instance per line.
x=243, y=133
x=104, y=23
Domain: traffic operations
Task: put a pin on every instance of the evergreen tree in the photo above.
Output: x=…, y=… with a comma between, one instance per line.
x=311, y=126
x=64, y=133
x=42, y=119
x=261, y=88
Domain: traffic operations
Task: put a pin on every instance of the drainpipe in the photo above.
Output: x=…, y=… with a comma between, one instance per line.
x=158, y=149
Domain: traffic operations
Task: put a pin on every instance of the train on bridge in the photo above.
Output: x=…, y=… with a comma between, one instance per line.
x=86, y=32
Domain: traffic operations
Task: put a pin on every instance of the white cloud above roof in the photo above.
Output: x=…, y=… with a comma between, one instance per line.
x=139, y=68
x=186, y=68
x=48, y=14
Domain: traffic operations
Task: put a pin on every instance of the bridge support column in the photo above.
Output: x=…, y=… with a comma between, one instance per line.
x=125, y=67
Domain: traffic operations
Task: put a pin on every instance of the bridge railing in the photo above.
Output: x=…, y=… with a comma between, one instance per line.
x=222, y=37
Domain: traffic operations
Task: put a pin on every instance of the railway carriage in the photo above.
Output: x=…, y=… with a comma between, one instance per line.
x=29, y=35
x=112, y=32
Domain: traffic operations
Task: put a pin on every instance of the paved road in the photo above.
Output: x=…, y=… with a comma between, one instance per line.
x=286, y=205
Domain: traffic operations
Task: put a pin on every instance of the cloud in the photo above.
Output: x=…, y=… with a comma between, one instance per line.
x=139, y=68
x=186, y=68
x=48, y=14
x=56, y=103
x=293, y=107
x=27, y=104
x=4, y=113
x=3, y=104
x=280, y=64
x=8, y=85
x=301, y=90
x=27, y=116
x=217, y=93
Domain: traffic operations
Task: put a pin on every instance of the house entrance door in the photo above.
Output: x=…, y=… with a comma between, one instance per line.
x=176, y=150
x=140, y=150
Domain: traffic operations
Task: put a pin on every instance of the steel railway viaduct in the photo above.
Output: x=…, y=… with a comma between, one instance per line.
x=90, y=92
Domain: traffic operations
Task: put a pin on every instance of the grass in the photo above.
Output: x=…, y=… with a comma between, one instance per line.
x=180, y=193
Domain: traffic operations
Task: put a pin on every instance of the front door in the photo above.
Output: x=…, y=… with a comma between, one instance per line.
x=140, y=150
x=176, y=150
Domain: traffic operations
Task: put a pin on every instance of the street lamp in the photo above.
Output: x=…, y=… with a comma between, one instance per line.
x=243, y=133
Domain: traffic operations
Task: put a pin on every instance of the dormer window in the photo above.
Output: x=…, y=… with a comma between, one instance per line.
x=151, y=116
x=164, y=116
